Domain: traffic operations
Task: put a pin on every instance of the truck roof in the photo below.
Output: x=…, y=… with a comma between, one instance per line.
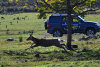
x=61, y=14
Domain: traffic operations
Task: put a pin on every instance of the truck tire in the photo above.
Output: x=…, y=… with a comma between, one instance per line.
x=90, y=32
x=45, y=25
x=57, y=33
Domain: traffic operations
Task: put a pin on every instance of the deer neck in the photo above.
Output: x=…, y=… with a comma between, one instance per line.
x=34, y=39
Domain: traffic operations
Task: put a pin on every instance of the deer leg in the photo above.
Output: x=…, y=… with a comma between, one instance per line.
x=33, y=46
x=64, y=49
x=61, y=46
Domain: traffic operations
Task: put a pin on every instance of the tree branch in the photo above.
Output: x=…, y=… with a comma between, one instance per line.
x=88, y=11
x=49, y=5
x=76, y=4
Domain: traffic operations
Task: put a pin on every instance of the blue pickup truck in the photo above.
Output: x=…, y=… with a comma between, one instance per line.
x=57, y=25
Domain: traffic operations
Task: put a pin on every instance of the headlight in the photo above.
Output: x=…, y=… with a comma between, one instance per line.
x=97, y=24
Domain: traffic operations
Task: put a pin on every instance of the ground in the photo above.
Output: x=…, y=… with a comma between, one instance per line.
x=12, y=53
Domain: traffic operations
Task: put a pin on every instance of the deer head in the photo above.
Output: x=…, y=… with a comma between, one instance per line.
x=30, y=37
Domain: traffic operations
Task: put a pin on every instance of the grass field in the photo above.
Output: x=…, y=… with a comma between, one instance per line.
x=12, y=54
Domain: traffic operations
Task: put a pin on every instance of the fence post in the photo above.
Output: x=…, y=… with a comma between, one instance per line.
x=20, y=39
x=7, y=32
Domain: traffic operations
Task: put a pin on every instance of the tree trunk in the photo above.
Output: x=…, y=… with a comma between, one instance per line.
x=69, y=32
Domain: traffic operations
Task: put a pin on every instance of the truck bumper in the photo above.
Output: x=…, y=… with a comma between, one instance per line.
x=49, y=31
x=98, y=30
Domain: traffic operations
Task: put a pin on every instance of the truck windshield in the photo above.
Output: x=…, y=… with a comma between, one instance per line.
x=81, y=18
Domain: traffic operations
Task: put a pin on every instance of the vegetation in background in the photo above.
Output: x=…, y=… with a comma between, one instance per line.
x=16, y=6
x=60, y=6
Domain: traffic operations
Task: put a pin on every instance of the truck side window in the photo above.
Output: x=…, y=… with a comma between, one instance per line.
x=54, y=19
x=75, y=19
x=64, y=18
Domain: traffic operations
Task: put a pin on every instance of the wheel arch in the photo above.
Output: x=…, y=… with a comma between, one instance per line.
x=58, y=30
x=90, y=28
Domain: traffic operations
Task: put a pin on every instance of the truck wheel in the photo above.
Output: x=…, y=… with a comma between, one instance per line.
x=57, y=33
x=90, y=32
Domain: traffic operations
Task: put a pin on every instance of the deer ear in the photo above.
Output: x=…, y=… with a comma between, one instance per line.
x=31, y=34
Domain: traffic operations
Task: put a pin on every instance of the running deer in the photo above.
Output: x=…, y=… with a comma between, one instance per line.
x=45, y=42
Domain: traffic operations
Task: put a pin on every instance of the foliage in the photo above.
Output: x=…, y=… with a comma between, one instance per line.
x=16, y=6
x=59, y=6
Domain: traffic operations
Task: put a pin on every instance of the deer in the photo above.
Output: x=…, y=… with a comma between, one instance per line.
x=45, y=42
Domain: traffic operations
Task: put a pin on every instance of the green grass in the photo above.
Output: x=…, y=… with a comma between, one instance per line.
x=12, y=54
x=30, y=23
x=73, y=64
x=93, y=18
